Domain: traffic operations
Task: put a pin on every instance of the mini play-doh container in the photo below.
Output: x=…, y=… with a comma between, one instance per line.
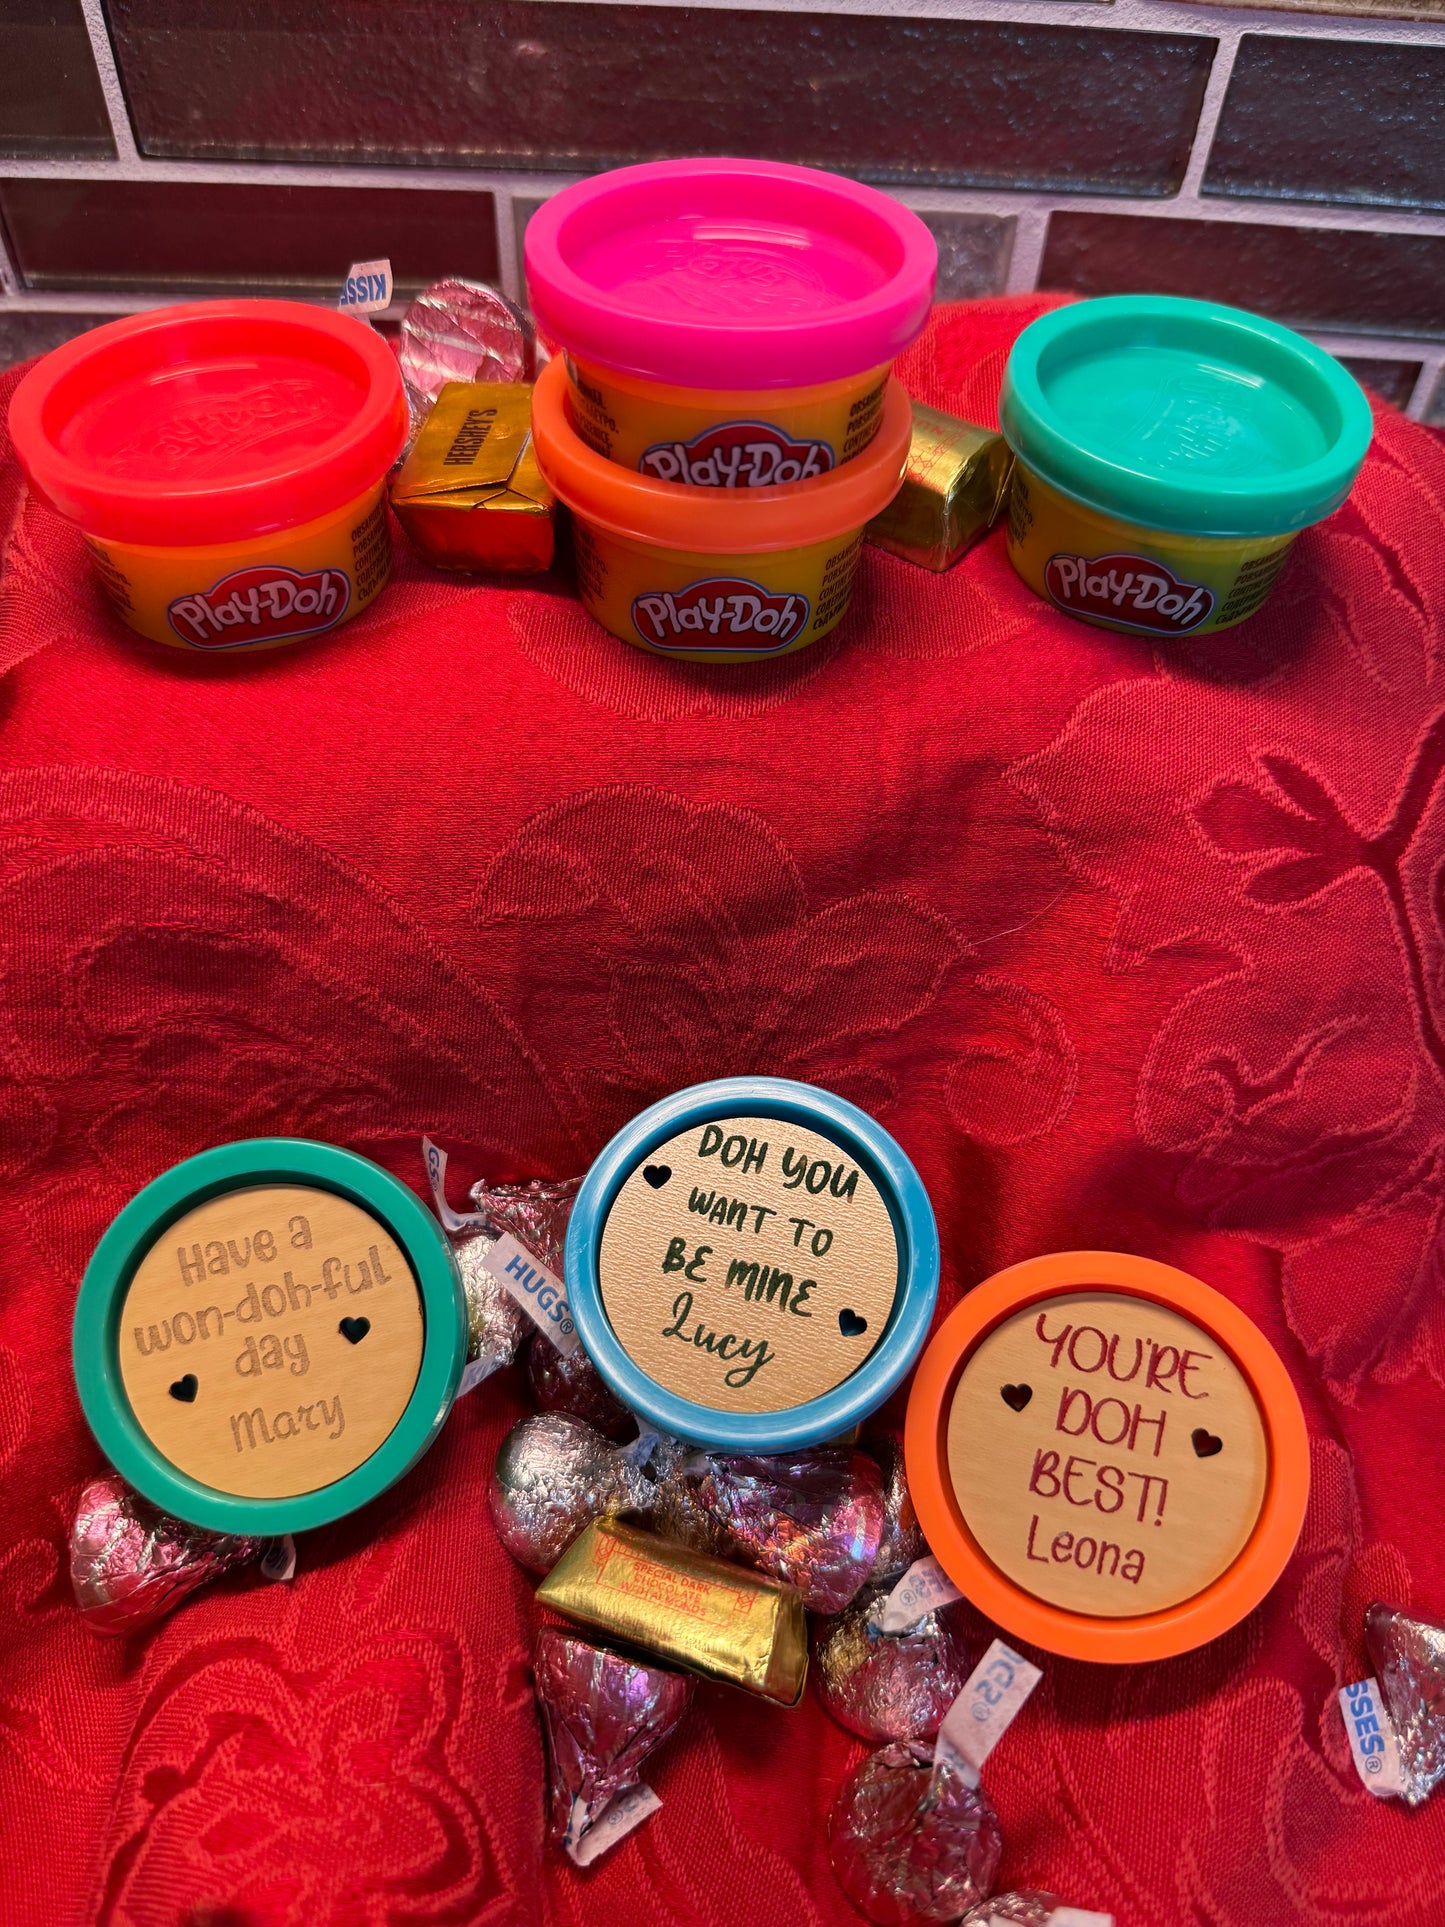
x=268, y=1336
x=675, y=571
x=1168, y=454
x=728, y=323
x=225, y=463
x=752, y=1264
x=1106, y=1456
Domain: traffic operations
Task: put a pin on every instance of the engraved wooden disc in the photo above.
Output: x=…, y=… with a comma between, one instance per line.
x=270, y=1340
x=1107, y=1454
x=748, y=1265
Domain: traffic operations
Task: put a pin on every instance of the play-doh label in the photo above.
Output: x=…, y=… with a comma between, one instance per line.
x=1131, y=590
x=724, y=613
x=737, y=455
x=266, y=603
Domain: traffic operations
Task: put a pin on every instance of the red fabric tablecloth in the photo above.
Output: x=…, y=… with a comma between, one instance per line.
x=1129, y=946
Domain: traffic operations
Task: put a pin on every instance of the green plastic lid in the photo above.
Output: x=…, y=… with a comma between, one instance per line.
x=269, y=1335
x=1183, y=415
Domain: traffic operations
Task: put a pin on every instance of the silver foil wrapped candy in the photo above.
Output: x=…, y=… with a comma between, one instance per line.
x=602, y=1714
x=570, y=1382
x=912, y=1841
x=889, y=1686
x=536, y=1214
x=553, y=1475
x=130, y=1564
x=811, y=1517
x=459, y=330
x=901, y=1542
x=1026, y=1907
x=1409, y=1657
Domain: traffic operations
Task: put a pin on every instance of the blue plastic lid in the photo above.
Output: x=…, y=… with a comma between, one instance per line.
x=713, y=1156
x=1184, y=415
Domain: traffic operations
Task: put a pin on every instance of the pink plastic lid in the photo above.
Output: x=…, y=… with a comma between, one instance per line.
x=211, y=422
x=730, y=274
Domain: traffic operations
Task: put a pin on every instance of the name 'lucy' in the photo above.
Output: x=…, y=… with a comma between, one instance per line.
x=752, y=1353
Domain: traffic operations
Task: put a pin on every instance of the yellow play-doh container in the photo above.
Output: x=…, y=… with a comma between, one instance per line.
x=252, y=595
x=1125, y=576
x=674, y=571
x=726, y=437
x=1168, y=453
x=224, y=462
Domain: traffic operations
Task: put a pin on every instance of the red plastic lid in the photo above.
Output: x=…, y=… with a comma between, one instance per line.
x=211, y=422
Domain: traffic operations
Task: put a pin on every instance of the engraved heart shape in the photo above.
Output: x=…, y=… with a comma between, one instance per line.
x=1016, y=1396
x=353, y=1330
x=657, y=1174
x=850, y=1324
x=1205, y=1443
x=185, y=1389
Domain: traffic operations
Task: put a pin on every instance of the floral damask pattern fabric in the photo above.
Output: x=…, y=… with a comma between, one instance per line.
x=1132, y=946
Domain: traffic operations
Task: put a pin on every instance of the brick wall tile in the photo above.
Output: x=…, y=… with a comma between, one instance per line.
x=1343, y=278
x=551, y=84
x=50, y=98
x=199, y=235
x=1332, y=120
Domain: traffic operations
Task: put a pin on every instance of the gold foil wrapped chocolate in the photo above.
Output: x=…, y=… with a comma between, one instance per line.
x=470, y=494
x=953, y=491
x=699, y=1612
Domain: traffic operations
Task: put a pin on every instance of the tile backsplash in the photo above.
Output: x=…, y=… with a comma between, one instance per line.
x=1289, y=161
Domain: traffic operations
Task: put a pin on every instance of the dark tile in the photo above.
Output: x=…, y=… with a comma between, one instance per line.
x=973, y=253
x=25, y=334
x=1332, y=120
x=549, y=84
x=178, y=235
x=1435, y=407
x=50, y=98
x=1392, y=381
x=1313, y=277
x=524, y=206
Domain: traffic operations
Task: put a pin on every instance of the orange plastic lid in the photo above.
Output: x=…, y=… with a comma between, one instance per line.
x=709, y=521
x=1106, y=1456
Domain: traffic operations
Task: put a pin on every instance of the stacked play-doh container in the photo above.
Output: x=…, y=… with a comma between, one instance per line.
x=720, y=417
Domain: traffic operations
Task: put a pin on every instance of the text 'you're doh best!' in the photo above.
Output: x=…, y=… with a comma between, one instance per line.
x=1107, y=1456
x=752, y=1263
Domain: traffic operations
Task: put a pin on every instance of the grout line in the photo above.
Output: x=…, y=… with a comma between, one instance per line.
x=1220, y=73
x=103, y=54
x=1031, y=227
x=1431, y=378
x=509, y=268
x=9, y=280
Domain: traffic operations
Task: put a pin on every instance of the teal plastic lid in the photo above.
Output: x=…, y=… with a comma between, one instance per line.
x=269, y=1335
x=1184, y=415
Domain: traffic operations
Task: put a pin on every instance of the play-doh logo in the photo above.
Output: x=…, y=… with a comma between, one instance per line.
x=1130, y=590
x=737, y=455
x=262, y=604
x=724, y=614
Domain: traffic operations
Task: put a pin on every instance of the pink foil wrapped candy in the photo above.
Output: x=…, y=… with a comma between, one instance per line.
x=459, y=330
x=911, y=1842
x=130, y=1564
x=812, y=1517
x=536, y=1214
x=570, y=1382
x=553, y=1475
x=889, y=1686
x=602, y=1714
x=1409, y=1656
x=902, y=1541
